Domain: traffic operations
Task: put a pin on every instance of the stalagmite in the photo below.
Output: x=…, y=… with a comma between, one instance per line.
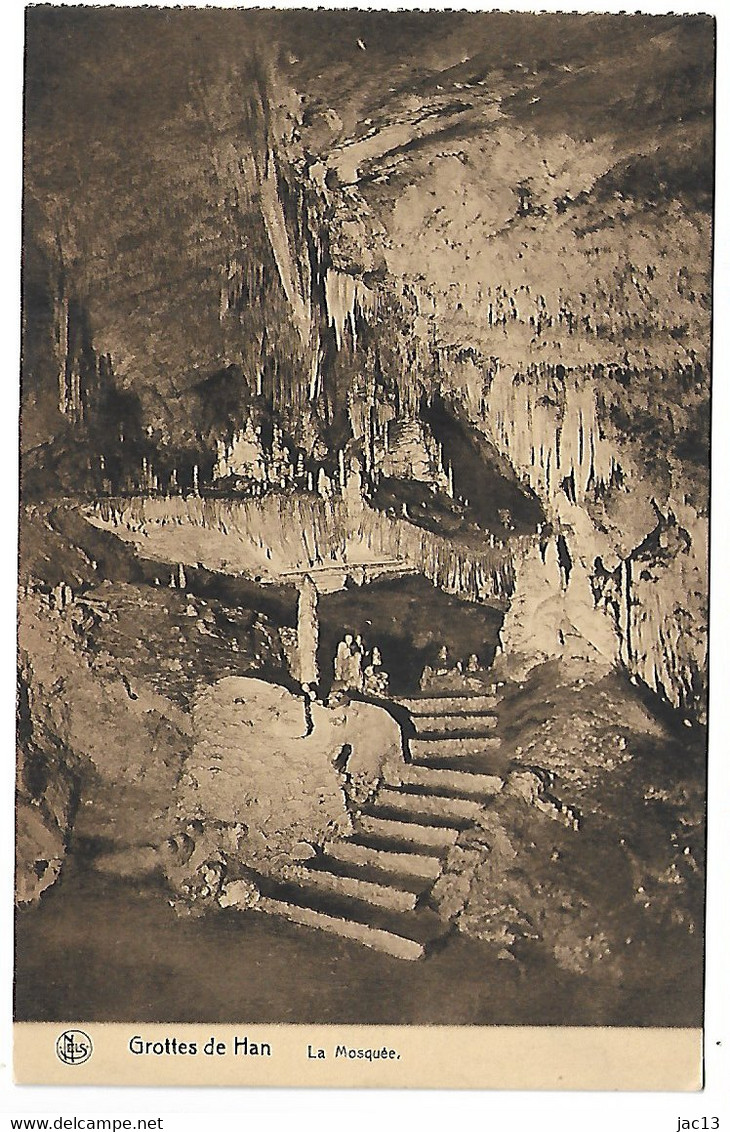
x=307, y=631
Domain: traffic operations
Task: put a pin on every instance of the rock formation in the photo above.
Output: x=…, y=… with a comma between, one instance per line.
x=553, y=283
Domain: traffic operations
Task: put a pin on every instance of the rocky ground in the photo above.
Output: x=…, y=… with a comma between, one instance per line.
x=107, y=675
x=578, y=896
x=604, y=869
x=133, y=771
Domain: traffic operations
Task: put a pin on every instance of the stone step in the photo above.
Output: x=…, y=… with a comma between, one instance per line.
x=413, y=864
x=377, y=938
x=415, y=922
x=425, y=806
x=448, y=747
x=454, y=724
x=448, y=705
x=382, y=895
x=374, y=874
x=449, y=781
x=410, y=832
x=468, y=765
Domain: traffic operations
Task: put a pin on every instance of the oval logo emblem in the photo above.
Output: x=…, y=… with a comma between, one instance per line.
x=74, y=1047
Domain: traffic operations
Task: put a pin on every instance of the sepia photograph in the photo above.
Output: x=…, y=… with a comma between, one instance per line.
x=364, y=522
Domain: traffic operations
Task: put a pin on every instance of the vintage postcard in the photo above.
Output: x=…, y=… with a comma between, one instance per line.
x=364, y=548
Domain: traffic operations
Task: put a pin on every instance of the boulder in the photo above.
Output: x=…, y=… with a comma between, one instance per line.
x=254, y=764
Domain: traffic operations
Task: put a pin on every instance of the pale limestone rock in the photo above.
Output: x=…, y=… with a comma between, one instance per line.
x=548, y=620
x=253, y=763
x=375, y=739
x=239, y=894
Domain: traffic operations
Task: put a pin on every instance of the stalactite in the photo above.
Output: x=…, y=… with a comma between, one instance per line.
x=292, y=268
x=346, y=299
x=61, y=335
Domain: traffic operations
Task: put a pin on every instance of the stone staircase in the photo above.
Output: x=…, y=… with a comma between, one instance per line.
x=373, y=887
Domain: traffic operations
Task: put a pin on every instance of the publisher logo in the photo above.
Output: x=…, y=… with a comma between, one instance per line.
x=74, y=1047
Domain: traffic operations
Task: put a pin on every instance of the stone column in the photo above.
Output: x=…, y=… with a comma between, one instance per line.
x=308, y=631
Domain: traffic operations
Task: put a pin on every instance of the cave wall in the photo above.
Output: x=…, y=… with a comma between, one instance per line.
x=329, y=231
x=556, y=281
